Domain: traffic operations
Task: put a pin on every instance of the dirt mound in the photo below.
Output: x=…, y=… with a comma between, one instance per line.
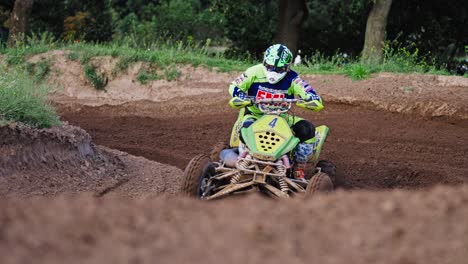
x=28, y=148
x=426, y=95
x=56, y=160
x=123, y=86
x=362, y=227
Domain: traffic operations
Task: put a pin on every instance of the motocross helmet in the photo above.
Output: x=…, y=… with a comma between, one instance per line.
x=277, y=60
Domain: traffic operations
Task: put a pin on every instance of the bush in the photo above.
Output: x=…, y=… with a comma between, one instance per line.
x=146, y=23
x=358, y=71
x=97, y=80
x=38, y=70
x=147, y=75
x=22, y=100
x=406, y=59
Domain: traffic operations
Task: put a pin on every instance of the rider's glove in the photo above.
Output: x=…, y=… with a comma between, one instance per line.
x=239, y=100
x=312, y=102
x=241, y=95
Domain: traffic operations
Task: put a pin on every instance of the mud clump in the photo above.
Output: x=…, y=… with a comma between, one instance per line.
x=50, y=161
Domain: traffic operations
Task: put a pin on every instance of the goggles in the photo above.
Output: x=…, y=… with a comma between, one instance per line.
x=272, y=68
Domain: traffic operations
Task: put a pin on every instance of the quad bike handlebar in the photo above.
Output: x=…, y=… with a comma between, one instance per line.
x=274, y=105
x=275, y=100
x=271, y=105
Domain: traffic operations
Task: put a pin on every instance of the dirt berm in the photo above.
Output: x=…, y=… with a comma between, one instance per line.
x=57, y=160
x=400, y=143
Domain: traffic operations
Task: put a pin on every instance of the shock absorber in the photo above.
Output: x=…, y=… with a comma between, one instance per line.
x=235, y=179
x=244, y=163
x=283, y=185
x=280, y=167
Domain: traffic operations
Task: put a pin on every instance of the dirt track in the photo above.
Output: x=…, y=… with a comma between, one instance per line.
x=373, y=150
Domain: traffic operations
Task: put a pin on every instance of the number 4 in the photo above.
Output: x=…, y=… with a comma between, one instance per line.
x=272, y=124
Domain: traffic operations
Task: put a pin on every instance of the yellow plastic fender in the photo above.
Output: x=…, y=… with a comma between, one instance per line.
x=235, y=133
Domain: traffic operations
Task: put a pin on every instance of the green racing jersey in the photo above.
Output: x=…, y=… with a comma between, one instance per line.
x=253, y=83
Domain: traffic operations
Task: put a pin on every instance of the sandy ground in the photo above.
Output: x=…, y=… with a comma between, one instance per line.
x=401, y=176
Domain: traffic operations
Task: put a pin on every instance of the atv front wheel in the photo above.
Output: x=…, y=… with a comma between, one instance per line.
x=319, y=183
x=196, y=176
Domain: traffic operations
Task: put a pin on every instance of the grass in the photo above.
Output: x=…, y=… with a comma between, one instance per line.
x=98, y=81
x=23, y=100
x=358, y=71
x=38, y=70
x=147, y=75
x=171, y=72
x=167, y=55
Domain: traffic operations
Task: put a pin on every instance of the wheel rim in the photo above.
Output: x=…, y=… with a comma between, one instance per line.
x=205, y=188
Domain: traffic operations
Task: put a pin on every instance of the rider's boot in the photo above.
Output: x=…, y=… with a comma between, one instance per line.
x=299, y=173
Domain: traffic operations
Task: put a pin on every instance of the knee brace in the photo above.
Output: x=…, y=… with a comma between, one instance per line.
x=304, y=130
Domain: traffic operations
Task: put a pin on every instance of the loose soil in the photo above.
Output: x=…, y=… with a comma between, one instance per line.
x=401, y=178
x=372, y=149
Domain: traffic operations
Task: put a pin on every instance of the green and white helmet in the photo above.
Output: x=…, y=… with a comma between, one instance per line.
x=277, y=60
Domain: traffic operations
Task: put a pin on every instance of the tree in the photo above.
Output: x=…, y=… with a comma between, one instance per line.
x=291, y=16
x=19, y=21
x=375, y=32
x=249, y=36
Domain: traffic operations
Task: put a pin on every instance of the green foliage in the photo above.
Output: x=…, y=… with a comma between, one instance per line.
x=34, y=44
x=319, y=62
x=125, y=61
x=75, y=27
x=38, y=70
x=247, y=27
x=73, y=19
x=23, y=100
x=439, y=28
x=98, y=81
x=405, y=59
x=171, y=72
x=73, y=56
x=147, y=75
x=166, y=55
x=159, y=54
x=358, y=71
x=335, y=25
x=250, y=37
x=175, y=19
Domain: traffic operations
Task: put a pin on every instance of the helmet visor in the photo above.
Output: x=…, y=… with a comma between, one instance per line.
x=272, y=68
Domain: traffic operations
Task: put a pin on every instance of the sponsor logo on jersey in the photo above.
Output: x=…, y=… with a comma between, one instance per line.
x=301, y=82
x=266, y=89
x=267, y=95
x=240, y=79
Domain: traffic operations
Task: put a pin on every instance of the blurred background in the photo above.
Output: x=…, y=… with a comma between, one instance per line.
x=433, y=31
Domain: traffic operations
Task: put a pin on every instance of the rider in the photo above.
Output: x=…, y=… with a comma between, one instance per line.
x=274, y=79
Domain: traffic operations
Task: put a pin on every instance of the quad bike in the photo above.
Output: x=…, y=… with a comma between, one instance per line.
x=262, y=161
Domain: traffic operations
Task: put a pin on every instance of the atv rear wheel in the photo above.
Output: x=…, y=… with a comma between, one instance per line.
x=196, y=176
x=216, y=151
x=319, y=183
x=329, y=168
